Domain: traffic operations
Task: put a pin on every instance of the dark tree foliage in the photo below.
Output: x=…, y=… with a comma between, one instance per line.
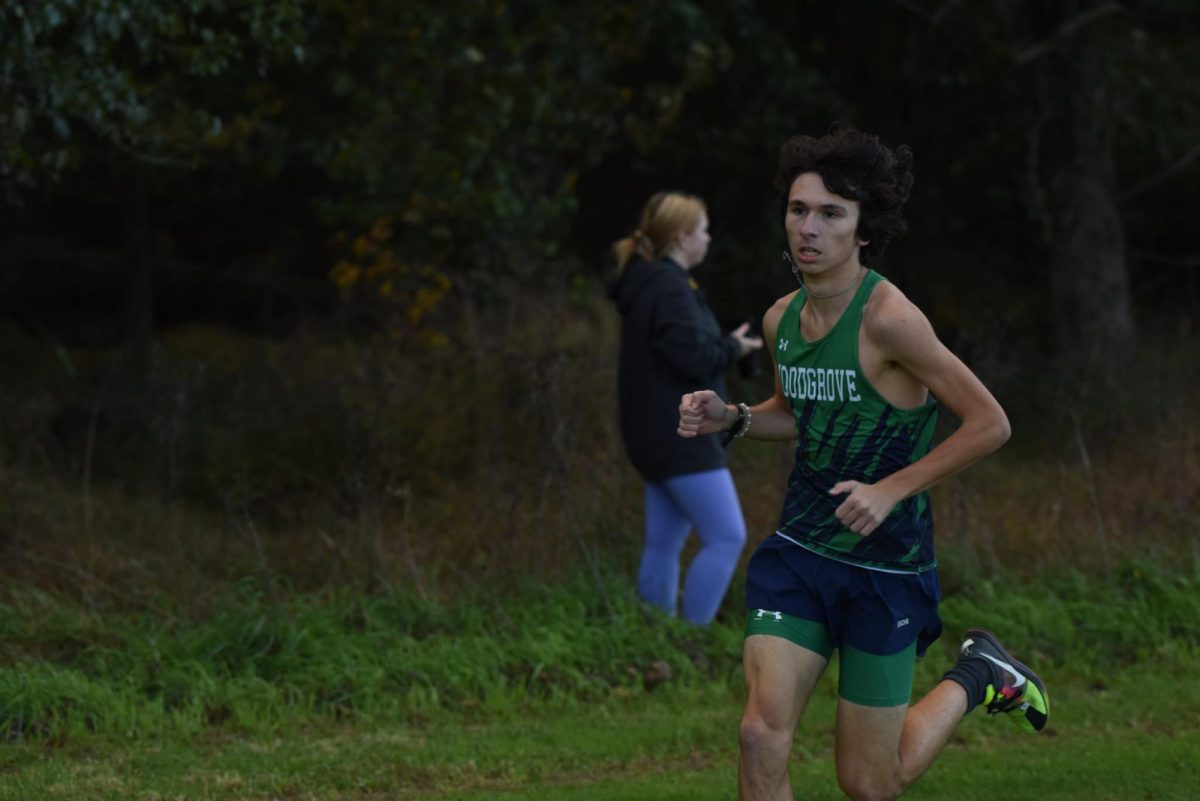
x=235, y=156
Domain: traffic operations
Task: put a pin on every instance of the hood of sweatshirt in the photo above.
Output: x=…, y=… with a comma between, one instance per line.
x=635, y=278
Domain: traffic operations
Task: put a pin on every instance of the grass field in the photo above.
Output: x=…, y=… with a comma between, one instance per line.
x=549, y=700
x=1137, y=739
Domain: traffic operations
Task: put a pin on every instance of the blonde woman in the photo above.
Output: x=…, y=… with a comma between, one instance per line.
x=671, y=343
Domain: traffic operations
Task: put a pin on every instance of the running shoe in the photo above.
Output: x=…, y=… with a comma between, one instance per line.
x=1014, y=688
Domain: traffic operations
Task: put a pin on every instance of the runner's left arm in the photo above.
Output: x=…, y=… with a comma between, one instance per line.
x=906, y=337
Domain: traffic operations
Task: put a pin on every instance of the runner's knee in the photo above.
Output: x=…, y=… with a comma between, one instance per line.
x=761, y=735
x=863, y=786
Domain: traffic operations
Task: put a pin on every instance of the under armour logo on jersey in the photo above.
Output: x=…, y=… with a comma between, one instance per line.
x=902, y=622
x=764, y=612
x=783, y=343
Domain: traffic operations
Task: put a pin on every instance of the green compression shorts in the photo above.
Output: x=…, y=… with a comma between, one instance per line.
x=867, y=679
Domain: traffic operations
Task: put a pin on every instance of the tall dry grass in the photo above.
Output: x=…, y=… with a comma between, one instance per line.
x=493, y=462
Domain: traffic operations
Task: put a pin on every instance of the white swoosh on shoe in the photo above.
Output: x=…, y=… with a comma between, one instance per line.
x=1005, y=666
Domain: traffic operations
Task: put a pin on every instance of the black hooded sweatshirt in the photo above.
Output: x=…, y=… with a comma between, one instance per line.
x=671, y=344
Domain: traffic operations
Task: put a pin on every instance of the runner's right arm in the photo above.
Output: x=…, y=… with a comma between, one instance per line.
x=704, y=412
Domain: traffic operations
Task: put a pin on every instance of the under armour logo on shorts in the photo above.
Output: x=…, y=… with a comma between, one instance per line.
x=764, y=612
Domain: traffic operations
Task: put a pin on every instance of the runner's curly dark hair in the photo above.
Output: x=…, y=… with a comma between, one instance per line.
x=858, y=167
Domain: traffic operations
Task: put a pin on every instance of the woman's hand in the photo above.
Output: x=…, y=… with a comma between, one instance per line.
x=747, y=342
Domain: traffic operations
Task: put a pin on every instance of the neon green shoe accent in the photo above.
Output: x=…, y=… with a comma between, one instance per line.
x=1035, y=709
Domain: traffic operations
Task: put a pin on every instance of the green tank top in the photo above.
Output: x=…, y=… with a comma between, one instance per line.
x=846, y=430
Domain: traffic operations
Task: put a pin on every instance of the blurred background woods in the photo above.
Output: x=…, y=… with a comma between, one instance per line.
x=314, y=289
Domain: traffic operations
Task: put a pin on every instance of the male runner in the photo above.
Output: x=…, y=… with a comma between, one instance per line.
x=852, y=565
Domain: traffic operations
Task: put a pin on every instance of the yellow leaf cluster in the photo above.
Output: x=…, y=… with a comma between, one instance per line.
x=345, y=274
x=372, y=269
x=428, y=296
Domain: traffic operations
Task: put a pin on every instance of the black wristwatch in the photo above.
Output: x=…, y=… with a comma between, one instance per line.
x=740, y=426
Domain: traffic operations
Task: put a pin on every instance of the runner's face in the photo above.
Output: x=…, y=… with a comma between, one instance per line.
x=821, y=226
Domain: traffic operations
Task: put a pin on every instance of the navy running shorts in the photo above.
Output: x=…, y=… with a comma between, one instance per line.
x=873, y=611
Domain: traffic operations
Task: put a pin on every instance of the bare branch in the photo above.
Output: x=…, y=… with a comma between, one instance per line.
x=910, y=6
x=941, y=13
x=1166, y=172
x=955, y=32
x=1065, y=30
x=933, y=19
x=1034, y=172
x=1172, y=259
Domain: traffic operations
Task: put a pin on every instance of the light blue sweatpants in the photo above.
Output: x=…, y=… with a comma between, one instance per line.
x=708, y=503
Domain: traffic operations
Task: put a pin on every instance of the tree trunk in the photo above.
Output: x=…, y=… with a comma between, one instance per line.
x=139, y=278
x=1088, y=281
